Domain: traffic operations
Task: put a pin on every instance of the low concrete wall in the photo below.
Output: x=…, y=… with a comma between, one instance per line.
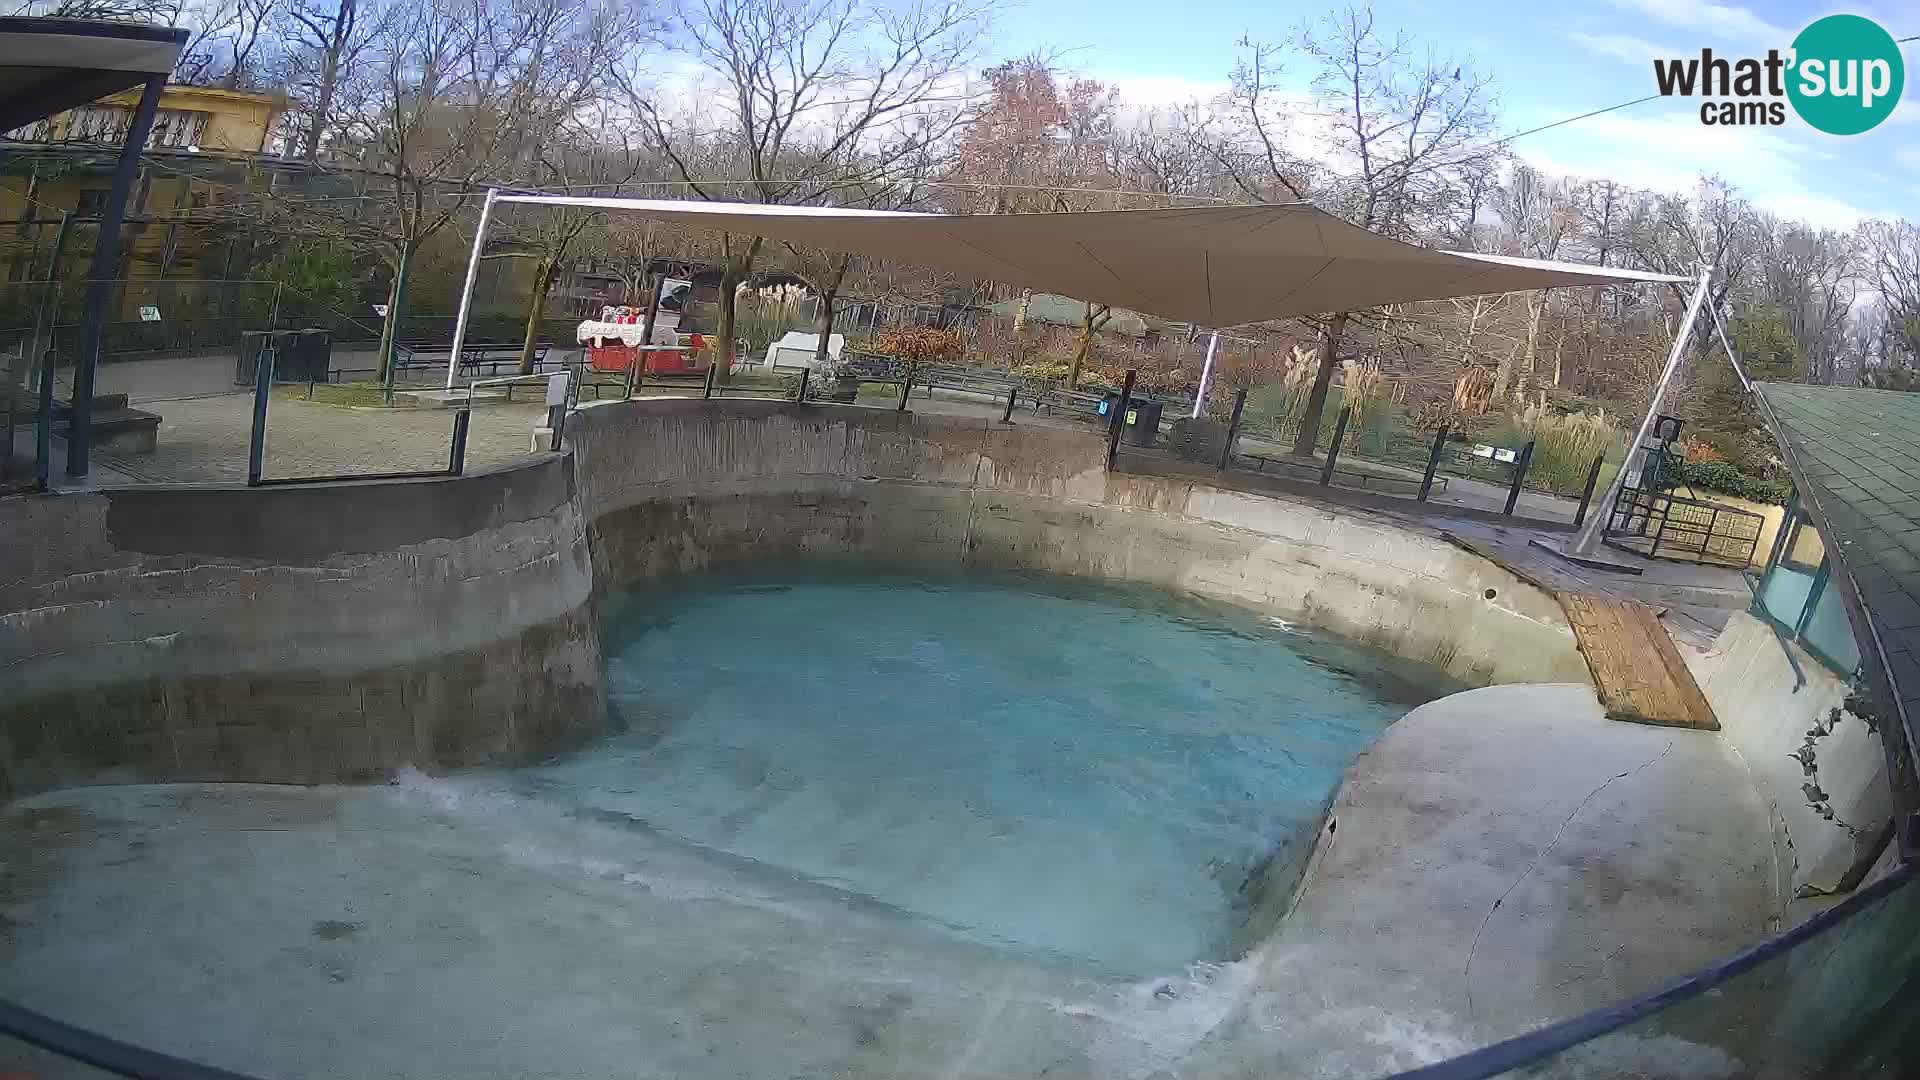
x=296, y=634
x=1748, y=681
x=677, y=486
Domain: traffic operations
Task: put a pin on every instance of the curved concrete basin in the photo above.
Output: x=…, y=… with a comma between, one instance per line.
x=1491, y=843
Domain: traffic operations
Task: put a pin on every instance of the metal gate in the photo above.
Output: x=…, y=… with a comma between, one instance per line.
x=1662, y=525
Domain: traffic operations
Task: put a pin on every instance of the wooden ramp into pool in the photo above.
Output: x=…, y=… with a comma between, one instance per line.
x=1636, y=668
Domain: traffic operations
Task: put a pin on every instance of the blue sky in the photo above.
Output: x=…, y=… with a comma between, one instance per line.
x=1551, y=61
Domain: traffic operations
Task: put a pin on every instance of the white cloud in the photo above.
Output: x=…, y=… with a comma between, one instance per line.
x=1728, y=22
x=1139, y=89
x=1624, y=47
x=1670, y=153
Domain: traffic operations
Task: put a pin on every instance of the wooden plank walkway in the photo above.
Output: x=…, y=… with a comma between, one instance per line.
x=1636, y=668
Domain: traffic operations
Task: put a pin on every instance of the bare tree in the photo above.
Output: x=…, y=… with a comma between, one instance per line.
x=327, y=42
x=1891, y=251
x=450, y=85
x=1539, y=214
x=817, y=96
x=1399, y=127
x=560, y=135
x=580, y=161
x=1093, y=319
x=105, y=10
x=229, y=43
x=1811, y=276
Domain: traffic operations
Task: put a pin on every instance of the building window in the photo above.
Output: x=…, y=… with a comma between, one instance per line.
x=1796, y=595
x=93, y=202
x=98, y=123
x=177, y=129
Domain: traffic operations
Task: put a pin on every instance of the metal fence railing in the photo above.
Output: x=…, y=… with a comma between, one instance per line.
x=1439, y=466
x=1662, y=525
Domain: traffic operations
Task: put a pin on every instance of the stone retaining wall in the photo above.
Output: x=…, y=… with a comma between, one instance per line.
x=299, y=634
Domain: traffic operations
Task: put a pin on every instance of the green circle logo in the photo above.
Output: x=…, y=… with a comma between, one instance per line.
x=1847, y=74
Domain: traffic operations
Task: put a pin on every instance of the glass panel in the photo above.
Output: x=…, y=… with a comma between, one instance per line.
x=1827, y=634
x=1783, y=594
x=1839, y=1005
x=1805, y=549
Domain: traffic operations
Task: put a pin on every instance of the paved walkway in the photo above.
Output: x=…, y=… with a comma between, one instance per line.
x=204, y=440
x=205, y=423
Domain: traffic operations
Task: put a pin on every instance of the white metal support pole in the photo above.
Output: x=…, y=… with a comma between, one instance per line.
x=466, y=291
x=1733, y=358
x=1587, y=540
x=1206, y=375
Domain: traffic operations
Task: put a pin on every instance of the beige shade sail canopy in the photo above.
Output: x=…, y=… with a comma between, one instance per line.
x=1213, y=265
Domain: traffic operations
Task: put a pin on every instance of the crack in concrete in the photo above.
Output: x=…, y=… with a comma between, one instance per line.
x=1535, y=864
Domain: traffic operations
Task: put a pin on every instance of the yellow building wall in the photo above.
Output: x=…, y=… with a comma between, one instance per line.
x=237, y=123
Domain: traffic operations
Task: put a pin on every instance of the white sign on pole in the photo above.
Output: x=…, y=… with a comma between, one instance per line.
x=380, y=310
x=149, y=313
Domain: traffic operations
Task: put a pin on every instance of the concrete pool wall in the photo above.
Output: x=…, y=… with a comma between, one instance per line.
x=295, y=634
x=1767, y=715
x=673, y=489
x=329, y=633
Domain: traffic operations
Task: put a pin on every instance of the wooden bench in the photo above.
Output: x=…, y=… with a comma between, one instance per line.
x=1070, y=401
x=1365, y=481
x=473, y=356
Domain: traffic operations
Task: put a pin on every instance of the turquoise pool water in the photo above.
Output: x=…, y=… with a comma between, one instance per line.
x=1086, y=772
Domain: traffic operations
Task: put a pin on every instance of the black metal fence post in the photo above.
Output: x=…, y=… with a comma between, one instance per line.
x=1433, y=462
x=43, y=428
x=1333, y=449
x=1233, y=429
x=104, y=275
x=632, y=379
x=706, y=388
x=257, y=440
x=906, y=387
x=457, y=454
x=1586, y=493
x=1007, y=416
x=1519, y=477
x=1118, y=421
x=800, y=395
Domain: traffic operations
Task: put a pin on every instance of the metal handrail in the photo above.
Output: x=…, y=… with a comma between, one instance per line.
x=508, y=380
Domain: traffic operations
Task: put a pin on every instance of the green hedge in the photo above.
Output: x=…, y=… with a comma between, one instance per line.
x=1726, y=477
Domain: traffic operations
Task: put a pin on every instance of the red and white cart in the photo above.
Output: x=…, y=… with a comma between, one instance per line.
x=614, y=343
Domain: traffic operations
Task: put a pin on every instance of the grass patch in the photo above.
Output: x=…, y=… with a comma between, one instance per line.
x=879, y=393
x=365, y=395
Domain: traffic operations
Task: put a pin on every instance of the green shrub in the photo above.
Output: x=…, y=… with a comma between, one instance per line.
x=1726, y=477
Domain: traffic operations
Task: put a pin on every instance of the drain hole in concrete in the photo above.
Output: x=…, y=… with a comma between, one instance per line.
x=1490, y=594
